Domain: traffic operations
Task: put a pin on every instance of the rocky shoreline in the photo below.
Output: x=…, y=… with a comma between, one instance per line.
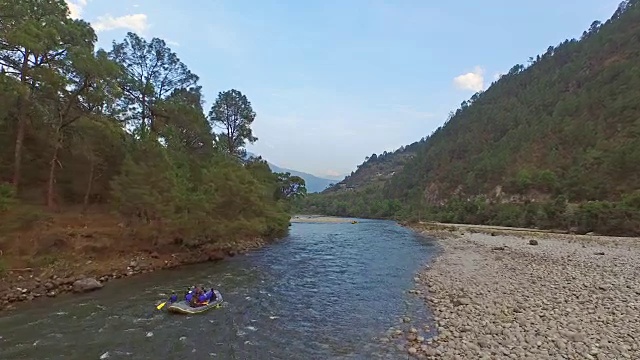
x=500, y=295
x=22, y=285
x=320, y=219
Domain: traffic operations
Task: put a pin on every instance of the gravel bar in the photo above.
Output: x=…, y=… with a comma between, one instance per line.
x=497, y=296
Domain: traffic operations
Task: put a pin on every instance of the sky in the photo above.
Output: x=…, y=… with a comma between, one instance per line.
x=334, y=81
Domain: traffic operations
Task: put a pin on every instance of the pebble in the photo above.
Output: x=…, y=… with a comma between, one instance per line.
x=552, y=300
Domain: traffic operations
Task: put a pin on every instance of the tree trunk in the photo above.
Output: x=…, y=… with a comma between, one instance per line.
x=85, y=203
x=22, y=124
x=52, y=172
x=17, y=163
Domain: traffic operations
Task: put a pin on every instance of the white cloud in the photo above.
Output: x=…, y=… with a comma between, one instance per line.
x=76, y=7
x=135, y=22
x=470, y=81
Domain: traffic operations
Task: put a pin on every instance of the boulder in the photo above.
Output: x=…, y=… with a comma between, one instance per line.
x=86, y=285
x=216, y=255
x=461, y=301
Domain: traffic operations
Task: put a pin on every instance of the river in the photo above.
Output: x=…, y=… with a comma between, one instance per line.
x=327, y=291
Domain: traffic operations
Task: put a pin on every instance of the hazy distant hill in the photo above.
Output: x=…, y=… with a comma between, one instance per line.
x=314, y=183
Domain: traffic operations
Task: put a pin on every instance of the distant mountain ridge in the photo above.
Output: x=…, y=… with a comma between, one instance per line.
x=314, y=183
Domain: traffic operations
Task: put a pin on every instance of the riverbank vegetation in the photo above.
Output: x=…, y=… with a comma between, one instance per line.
x=111, y=150
x=551, y=144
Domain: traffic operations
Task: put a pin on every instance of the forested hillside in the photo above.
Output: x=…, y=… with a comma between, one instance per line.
x=361, y=191
x=376, y=169
x=555, y=143
x=119, y=139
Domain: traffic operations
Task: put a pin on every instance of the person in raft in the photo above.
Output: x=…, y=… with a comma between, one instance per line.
x=198, y=297
x=173, y=298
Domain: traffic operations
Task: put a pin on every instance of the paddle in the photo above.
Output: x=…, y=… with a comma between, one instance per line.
x=161, y=305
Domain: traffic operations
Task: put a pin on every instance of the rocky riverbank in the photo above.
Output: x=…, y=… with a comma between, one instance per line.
x=77, y=274
x=320, y=219
x=530, y=296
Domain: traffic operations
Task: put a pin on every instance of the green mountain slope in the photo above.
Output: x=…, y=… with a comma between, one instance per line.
x=361, y=193
x=553, y=144
x=376, y=170
x=574, y=109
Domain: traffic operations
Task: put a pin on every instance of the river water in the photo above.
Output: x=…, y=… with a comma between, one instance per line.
x=327, y=291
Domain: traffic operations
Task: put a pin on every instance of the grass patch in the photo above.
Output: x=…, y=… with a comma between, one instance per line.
x=7, y=197
x=21, y=218
x=43, y=261
x=3, y=268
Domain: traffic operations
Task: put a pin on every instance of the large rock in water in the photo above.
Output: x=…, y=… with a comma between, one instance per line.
x=86, y=285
